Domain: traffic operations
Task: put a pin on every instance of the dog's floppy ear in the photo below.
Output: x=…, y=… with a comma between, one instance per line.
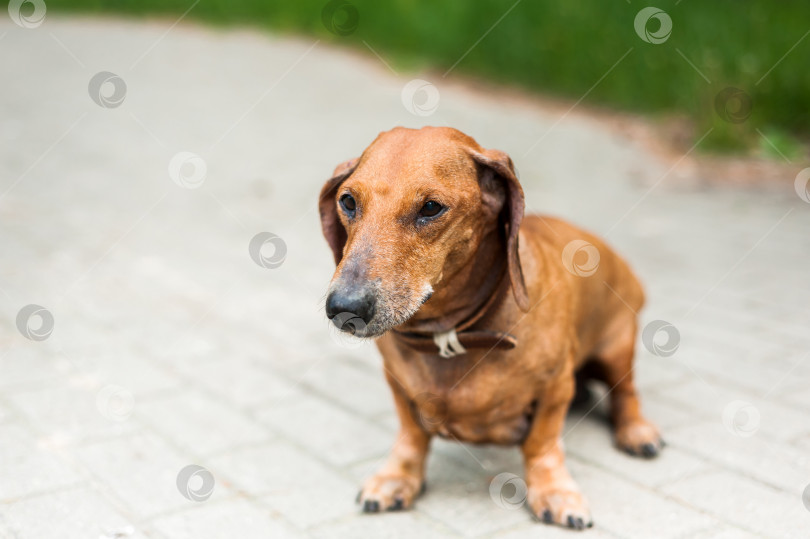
x=512, y=214
x=332, y=228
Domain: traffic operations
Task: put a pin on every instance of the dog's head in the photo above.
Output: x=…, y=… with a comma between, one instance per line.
x=408, y=215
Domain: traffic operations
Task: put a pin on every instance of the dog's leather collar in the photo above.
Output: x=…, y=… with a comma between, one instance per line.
x=468, y=339
x=457, y=340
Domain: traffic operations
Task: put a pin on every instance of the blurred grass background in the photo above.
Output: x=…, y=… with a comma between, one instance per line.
x=562, y=48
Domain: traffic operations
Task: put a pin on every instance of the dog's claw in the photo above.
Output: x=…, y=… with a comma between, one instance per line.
x=385, y=492
x=559, y=506
x=640, y=439
x=649, y=450
x=576, y=522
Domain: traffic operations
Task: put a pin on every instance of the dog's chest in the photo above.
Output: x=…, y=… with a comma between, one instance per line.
x=473, y=400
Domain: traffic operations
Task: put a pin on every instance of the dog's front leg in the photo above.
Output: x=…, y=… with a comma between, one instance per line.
x=401, y=479
x=553, y=495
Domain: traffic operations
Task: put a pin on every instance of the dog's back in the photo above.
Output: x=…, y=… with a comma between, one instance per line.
x=607, y=295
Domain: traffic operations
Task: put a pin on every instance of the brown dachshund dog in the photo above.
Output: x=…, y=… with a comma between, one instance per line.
x=428, y=234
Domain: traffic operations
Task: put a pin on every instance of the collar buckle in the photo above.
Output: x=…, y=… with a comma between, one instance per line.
x=448, y=343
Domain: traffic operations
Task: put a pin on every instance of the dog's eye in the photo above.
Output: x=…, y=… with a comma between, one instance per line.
x=431, y=209
x=348, y=203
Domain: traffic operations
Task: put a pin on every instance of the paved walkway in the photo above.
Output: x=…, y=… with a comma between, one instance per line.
x=171, y=346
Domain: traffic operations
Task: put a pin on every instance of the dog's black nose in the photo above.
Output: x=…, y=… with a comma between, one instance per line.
x=343, y=307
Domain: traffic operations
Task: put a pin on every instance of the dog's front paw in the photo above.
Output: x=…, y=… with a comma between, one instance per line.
x=385, y=492
x=560, y=505
x=639, y=438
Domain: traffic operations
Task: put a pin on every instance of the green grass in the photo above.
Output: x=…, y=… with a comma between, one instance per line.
x=564, y=47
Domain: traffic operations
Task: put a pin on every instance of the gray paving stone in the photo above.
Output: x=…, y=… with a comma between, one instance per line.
x=459, y=497
x=25, y=365
x=80, y=410
x=483, y=459
x=305, y=490
x=651, y=371
x=631, y=511
x=710, y=399
x=755, y=370
x=796, y=392
x=244, y=383
x=665, y=414
x=128, y=370
x=5, y=414
x=369, y=392
x=231, y=518
x=31, y=464
x=745, y=502
x=771, y=461
x=723, y=531
x=142, y=471
x=593, y=444
x=535, y=529
x=187, y=418
x=68, y=514
x=383, y=525
x=327, y=430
